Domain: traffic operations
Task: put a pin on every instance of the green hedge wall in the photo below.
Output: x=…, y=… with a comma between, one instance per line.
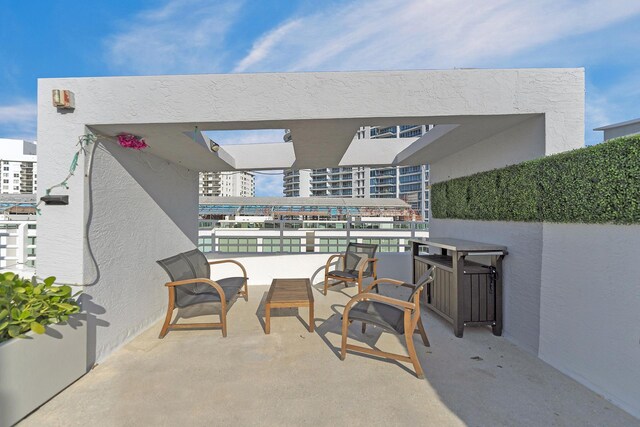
x=597, y=184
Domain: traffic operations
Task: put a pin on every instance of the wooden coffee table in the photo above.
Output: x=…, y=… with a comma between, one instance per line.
x=289, y=293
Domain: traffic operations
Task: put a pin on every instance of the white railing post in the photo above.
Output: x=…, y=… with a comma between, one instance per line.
x=21, y=243
x=281, y=236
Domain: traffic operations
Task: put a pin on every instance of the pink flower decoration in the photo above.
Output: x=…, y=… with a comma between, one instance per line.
x=131, y=141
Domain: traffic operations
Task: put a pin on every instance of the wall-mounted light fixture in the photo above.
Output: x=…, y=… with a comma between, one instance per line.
x=63, y=99
x=55, y=200
x=214, y=145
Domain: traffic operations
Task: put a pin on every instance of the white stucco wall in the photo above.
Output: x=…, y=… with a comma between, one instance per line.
x=524, y=141
x=263, y=268
x=590, y=307
x=145, y=209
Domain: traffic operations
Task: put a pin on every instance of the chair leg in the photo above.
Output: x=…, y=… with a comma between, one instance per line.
x=345, y=331
x=423, y=333
x=326, y=284
x=167, y=319
x=413, y=356
x=223, y=320
x=364, y=327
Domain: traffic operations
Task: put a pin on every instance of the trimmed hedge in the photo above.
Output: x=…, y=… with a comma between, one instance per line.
x=597, y=184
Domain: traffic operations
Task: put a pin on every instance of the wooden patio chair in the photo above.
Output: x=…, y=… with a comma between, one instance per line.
x=397, y=316
x=358, y=263
x=190, y=274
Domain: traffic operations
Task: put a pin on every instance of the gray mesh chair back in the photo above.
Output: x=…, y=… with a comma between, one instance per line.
x=354, y=254
x=421, y=283
x=394, y=313
x=188, y=265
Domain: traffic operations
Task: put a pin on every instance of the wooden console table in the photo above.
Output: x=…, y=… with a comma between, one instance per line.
x=463, y=292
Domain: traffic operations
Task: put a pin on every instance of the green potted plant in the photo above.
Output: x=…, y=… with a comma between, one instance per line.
x=43, y=343
x=26, y=305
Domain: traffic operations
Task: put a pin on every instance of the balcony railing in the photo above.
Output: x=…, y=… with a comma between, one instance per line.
x=287, y=236
x=18, y=238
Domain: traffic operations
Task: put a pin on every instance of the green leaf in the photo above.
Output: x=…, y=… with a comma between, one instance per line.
x=19, y=290
x=49, y=281
x=4, y=313
x=65, y=306
x=37, y=328
x=14, y=331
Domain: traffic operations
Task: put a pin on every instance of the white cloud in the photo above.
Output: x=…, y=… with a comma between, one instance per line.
x=19, y=120
x=263, y=46
x=183, y=36
x=381, y=34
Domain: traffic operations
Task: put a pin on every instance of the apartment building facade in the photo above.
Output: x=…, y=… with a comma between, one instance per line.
x=409, y=183
x=18, y=166
x=227, y=184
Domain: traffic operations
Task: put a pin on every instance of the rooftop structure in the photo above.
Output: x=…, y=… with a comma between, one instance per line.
x=303, y=207
x=630, y=127
x=143, y=206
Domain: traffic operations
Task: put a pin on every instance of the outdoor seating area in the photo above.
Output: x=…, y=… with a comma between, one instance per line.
x=293, y=377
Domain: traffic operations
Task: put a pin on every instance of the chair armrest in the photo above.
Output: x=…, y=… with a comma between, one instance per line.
x=326, y=267
x=210, y=282
x=383, y=280
x=380, y=298
x=233, y=261
x=365, y=265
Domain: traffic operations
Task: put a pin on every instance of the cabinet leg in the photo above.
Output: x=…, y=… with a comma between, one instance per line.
x=458, y=330
x=497, y=330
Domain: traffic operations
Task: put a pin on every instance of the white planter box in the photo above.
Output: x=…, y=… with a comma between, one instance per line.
x=36, y=368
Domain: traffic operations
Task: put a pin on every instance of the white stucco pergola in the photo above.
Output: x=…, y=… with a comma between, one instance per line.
x=142, y=206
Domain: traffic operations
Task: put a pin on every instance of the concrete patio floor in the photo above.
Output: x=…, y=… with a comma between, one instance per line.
x=293, y=377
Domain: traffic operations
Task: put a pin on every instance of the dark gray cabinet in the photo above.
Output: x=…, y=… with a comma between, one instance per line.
x=464, y=292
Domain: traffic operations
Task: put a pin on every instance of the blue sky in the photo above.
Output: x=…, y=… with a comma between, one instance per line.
x=64, y=38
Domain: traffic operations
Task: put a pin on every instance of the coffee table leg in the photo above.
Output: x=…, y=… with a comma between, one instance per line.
x=311, y=322
x=267, y=320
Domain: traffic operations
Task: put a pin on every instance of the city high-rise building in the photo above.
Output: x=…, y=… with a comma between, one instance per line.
x=297, y=183
x=18, y=161
x=227, y=184
x=409, y=183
